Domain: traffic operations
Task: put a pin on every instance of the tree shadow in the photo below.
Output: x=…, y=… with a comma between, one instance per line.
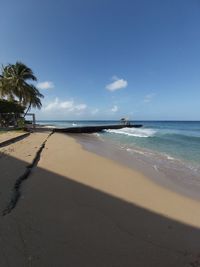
x=61, y=222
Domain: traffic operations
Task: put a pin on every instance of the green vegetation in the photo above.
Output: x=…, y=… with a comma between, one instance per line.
x=11, y=107
x=10, y=112
x=16, y=93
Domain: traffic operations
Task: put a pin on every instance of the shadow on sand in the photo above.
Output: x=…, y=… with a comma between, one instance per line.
x=59, y=222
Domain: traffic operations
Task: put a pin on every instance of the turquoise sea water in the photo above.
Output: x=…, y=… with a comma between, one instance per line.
x=174, y=139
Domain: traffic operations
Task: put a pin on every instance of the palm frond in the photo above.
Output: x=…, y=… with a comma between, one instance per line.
x=14, y=84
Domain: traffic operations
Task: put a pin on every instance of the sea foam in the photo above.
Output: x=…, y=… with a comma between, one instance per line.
x=134, y=132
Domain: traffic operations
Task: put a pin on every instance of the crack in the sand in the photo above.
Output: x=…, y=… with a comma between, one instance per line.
x=16, y=193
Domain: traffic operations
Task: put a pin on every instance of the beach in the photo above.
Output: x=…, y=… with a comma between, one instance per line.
x=100, y=133
x=78, y=208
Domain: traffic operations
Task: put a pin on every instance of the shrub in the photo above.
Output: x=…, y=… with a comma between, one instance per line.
x=11, y=107
x=10, y=113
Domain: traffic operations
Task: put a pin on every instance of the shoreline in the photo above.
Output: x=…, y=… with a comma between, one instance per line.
x=81, y=209
x=90, y=174
x=174, y=175
x=179, y=140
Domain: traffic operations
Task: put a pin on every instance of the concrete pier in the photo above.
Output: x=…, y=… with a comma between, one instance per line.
x=95, y=129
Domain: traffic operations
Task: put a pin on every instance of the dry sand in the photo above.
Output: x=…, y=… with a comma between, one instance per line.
x=80, y=209
x=14, y=159
x=5, y=136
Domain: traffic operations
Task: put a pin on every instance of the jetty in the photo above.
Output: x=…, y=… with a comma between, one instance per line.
x=95, y=129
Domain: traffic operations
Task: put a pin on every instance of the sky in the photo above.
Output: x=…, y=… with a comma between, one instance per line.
x=107, y=59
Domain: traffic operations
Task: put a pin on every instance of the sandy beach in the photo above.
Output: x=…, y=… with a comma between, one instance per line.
x=77, y=208
x=10, y=135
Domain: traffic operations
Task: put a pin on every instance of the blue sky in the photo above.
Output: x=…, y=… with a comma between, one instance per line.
x=104, y=59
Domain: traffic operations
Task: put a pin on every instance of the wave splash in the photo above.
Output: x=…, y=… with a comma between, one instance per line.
x=134, y=132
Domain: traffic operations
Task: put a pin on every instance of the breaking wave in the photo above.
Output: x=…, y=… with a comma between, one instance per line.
x=133, y=132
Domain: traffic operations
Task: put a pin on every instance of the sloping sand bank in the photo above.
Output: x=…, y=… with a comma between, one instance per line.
x=80, y=209
x=14, y=159
x=10, y=135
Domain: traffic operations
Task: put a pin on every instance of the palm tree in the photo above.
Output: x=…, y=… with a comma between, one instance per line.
x=14, y=84
x=5, y=88
x=33, y=98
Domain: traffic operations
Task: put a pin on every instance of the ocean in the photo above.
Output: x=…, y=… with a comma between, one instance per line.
x=166, y=151
x=173, y=139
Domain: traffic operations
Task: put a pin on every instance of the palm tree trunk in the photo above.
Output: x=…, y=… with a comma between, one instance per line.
x=27, y=110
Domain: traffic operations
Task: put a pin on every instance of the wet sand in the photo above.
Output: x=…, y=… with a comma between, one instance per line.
x=81, y=209
x=170, y=173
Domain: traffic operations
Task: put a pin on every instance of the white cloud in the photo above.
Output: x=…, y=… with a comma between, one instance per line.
x=45, y=85
x=114, y=108
x=51, y=105
x=67, y=106
x=148, y=98
x=117, y=84
x=95, y=111
x=81, y=107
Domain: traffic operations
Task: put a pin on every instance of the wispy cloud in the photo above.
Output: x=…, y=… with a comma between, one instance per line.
x=95, y=111
x=148, y=98
x=114, y=108
x=67, y=106
x=117, y=84
x=45, y=85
